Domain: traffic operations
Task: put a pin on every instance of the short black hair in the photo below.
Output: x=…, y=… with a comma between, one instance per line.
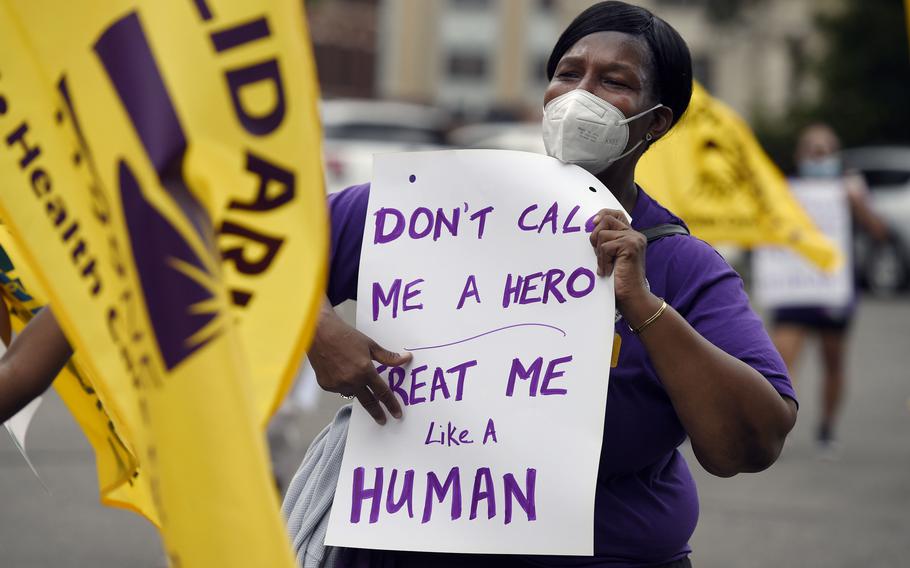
x=669, y=52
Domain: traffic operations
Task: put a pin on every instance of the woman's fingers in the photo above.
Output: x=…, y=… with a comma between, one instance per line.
x=608, y=213
x=609, y=220
x=379, y=387
x=611, y=236
x=606, y=257
x=374, y=395
x=608, y=235
x=371, y=404
x=384, y=395
x=612, y=233
x=389, y=358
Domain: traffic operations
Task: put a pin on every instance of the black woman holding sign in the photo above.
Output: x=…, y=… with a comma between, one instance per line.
x=694, y=362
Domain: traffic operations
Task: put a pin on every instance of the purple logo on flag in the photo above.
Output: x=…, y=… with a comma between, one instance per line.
x=179, y=280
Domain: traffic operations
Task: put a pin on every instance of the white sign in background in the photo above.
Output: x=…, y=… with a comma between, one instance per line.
x=478, y=262
x=783, y=278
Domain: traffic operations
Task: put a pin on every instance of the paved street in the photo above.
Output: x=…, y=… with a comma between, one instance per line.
x=804, y=512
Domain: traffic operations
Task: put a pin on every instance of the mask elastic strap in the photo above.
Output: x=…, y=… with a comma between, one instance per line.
x=627, y=152
x=641, y=114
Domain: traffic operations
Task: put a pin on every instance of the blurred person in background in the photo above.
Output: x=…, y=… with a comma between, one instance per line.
x=695, y=361
x=817, y=157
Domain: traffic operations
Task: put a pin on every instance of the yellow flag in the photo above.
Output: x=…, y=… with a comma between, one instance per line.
x=712, y=172
x=119, y=480
x=161, y=177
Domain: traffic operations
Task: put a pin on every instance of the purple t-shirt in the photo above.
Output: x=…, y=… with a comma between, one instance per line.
x=646, y=504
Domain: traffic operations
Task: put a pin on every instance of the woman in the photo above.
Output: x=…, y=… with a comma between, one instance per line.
x=817, y=157
x=701, y=366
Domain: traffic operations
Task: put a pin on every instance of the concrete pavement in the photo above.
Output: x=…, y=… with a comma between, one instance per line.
x=67, y=528
x=806, y=512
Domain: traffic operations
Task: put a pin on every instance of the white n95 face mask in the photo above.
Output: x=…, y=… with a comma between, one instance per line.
x=583, y=129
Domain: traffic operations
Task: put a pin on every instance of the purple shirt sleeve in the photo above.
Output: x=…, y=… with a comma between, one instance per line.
x=710, y=295
x=347, y=216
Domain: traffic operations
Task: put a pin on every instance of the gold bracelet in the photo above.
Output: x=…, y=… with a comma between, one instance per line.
x=652, y=319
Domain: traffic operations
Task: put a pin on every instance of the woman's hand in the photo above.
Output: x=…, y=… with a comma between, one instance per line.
x=343, y=360
x=620, y=251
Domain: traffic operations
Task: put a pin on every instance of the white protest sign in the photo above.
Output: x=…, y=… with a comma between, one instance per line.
x=783, y=278
x=479, y=263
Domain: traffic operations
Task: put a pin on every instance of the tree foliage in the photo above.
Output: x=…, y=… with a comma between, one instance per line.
x=864, y=77
x=727, y=11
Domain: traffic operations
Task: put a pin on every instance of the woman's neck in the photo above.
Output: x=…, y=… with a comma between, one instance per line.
x=620, y=180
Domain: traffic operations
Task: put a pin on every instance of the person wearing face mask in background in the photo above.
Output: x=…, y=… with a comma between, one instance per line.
x=694, y=360
x=817, y=156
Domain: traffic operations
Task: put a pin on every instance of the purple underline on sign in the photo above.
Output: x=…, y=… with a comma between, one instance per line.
x=553, y=327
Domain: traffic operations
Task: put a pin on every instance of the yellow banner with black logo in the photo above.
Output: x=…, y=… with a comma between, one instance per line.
x=161, y=171
x=119, y=480
x=711, y=171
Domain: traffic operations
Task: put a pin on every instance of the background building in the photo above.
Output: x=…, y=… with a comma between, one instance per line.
x=478, y=57
x=344, y=39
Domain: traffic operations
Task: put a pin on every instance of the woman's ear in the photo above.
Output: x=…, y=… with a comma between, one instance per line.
x=661, y=121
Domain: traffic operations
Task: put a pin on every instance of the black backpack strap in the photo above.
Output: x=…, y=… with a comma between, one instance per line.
x=660, y=231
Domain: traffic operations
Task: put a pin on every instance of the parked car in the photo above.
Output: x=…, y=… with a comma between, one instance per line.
x=355, y=129
x=884, y=268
